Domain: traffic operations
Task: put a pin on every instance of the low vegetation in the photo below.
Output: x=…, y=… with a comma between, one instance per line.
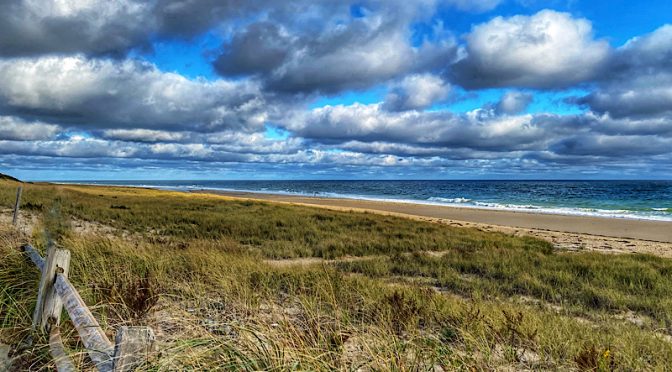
x=355, y=291
x=5, y=177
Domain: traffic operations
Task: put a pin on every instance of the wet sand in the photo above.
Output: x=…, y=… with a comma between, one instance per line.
x=611, y=235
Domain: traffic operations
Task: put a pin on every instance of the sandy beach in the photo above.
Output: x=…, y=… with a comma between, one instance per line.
x=609, y=235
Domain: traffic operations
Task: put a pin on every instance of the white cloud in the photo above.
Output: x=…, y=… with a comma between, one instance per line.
x=513, y=102
x=372, y=123
x=417, y=92
x=545, y=50
x=143, y=135
x=13, y=128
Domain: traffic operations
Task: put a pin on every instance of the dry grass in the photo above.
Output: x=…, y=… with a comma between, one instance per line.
x=193, y=267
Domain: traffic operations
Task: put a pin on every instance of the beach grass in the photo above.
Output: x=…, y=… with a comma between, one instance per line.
x=244, y=285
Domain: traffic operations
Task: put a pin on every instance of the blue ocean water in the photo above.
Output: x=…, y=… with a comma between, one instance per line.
x=616, y=199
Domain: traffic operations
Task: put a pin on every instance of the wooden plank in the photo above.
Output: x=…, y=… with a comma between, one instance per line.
x=99, y=347
x=58, y=262
x=41, y=290
x=133, y=346
x=57, y=350
x=16, y=205
x=34, y=256
x=5, y=360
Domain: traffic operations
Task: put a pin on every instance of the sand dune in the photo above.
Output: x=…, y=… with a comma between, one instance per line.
x=610, y=235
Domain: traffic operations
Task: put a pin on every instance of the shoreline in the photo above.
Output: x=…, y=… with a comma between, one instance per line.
x=624, y=214
x=575, y=233
x=567, y=232
x=658, y=231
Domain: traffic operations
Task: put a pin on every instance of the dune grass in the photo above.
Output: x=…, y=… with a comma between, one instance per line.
x=276, y=231
x=591, y=281
x=193, y=267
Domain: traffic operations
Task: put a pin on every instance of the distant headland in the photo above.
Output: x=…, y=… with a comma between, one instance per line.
x=8, y=177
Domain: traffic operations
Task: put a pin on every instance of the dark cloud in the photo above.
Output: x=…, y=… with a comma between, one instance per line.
x=101, y=27
x=613, y=146
x=638, y=80
x=659, y=125
x=111, y=94
x=346, y=52
x=29, y=28
x=191, y=17
x=258, y=49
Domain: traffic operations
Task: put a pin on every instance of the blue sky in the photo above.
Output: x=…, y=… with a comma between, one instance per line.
x=440, y=89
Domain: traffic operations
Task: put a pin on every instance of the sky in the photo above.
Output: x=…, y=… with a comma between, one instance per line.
x=335, y=89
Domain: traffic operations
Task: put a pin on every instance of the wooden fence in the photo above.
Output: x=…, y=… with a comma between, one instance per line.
x=132, y=345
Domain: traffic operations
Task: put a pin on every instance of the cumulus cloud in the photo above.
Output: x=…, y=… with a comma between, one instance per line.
x=16, y=129
x=95, y=93
x=370, y=123
x=143, y=135
x=513, y=102
x=32, y=27
x=70, y=93
x=657, y=125
x=638, y=82
x=545, y=50
x=258, y=49
x=416, y=92
x=640, y=96
x=76, y=147
x=101, y=27
x=345, y=53
x=480, y=134
x=613, y=146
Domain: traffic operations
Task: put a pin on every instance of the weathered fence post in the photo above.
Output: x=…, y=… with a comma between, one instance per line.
x=132, y=347
x=42, y=288
x=16, y=205
x=58, y=262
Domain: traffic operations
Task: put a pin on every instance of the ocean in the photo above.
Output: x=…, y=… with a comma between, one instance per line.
x=651, y=200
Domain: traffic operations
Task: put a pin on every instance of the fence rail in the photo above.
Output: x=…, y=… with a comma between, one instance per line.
x=61, y=358
x=132, y=344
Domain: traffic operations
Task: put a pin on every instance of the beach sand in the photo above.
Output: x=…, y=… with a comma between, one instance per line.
x=608, y=235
